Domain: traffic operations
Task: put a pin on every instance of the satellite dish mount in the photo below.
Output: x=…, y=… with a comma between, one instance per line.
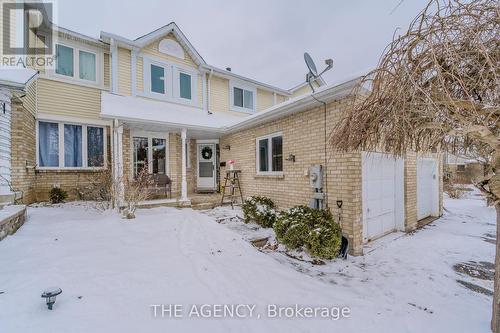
x=313, y=72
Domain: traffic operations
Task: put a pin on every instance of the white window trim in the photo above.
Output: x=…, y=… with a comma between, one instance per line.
x=150, y=135
x=167, y=82
x=99, y=64
x=236, y=84
x=177, y=85
x=270, y=155
x=172, y=82
x=61, y=146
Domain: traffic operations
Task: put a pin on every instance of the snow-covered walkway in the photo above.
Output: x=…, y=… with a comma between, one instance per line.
x=111, y=271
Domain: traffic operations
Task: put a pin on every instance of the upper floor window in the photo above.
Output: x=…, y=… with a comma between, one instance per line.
x=76, y=63
x=158, y=79
x=170, y=82
x=185, y=85
x=87, y=66
x=64, y=60
x=242, y=97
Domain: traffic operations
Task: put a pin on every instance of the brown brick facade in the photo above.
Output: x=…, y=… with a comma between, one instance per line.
x=303, y=136
x=23, y=152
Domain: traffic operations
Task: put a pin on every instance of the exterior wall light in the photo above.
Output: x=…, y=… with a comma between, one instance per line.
x=227, y=147
x=291, y=158
x=50, y=296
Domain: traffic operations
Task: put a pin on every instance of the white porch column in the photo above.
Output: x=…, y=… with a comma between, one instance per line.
x=5, y=142
x=184, y=159
x=118, y=167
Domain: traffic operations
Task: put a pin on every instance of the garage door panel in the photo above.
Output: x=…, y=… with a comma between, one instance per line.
x=380, y=181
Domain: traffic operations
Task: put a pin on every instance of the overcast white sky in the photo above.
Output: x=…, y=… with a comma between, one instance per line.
x=261, y=39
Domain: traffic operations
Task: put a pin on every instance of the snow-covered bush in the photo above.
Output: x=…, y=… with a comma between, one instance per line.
x=259, y=210
x=310, y=229
x=57, y=195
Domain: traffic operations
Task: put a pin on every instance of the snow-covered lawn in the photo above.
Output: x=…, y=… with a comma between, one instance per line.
x=111, y=271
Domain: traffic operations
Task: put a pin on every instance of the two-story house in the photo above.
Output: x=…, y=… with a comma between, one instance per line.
x=154, y=104
x=132, y=104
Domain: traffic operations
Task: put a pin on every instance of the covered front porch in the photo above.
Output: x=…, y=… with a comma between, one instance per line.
x=172, y=142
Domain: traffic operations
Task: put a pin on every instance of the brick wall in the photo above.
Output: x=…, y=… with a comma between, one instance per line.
x=75, y=182
x=303, y=136
x=410, y=191
x=23, y=152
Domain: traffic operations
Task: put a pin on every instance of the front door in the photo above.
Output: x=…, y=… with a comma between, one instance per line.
x=206, y=166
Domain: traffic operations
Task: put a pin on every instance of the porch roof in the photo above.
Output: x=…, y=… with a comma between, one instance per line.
x=142, y=111
x=17, y=78
x=149, y=112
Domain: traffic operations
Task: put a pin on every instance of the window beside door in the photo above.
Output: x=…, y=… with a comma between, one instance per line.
x=269, y=154
x=149, y=152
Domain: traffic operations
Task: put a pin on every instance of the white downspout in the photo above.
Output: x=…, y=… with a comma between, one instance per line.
x=209, y=90
x=114, y=66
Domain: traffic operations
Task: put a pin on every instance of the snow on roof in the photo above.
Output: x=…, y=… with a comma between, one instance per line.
x=141, y=110
x=171, y=114
x=17, y=77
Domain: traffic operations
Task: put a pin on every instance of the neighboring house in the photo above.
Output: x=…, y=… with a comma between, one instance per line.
x=154, y=103
x=462, y=170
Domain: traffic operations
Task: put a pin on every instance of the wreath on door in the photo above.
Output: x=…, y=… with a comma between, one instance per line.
x=206, y=153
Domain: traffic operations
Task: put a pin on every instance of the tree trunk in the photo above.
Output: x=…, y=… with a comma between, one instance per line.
x=495, y=321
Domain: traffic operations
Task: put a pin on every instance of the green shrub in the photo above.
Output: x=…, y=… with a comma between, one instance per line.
x=259, y=210
x=310, y=229
x=325, y=241
x=57, y=195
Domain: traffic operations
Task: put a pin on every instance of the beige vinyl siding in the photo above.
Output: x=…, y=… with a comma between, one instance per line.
x=140, y=74
x=265, y=99
x=29, y=100
x=219, y=94
x=152, y=49
x=66, y=99
x=124, y=72
x=107, y=72
x=280, y=99
x=301, y=91
x=200, y=90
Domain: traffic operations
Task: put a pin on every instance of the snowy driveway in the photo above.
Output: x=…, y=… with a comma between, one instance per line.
x=112, y=271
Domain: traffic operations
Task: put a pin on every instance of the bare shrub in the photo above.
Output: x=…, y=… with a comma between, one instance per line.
x=136, y=190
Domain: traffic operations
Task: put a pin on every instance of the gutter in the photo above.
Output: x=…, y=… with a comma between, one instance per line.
x=228, y=75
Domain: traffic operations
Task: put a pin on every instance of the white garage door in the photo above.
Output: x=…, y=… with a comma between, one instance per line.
x=427, y=188
x=383, y=196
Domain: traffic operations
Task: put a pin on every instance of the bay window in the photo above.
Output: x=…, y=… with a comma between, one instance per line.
x=269, y=154
x=62, y=145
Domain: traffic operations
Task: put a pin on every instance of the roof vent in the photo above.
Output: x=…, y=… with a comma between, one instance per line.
x=228, y=69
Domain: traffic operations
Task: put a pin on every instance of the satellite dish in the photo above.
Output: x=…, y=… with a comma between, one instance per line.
x=310, y=64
